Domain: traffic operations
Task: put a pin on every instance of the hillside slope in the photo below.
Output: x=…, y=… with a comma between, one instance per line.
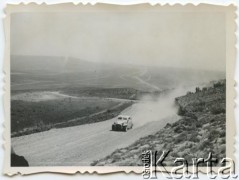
x=200, y=130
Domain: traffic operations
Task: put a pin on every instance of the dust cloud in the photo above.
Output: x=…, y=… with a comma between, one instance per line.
x=161, y=108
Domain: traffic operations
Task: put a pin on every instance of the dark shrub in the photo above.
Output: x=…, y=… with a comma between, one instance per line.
x=218, y=110
x=213, y=135
x=198, y=89
x=181, y=111
x=222, y=134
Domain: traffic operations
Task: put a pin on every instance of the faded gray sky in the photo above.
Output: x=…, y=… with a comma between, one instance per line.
x=193, y=40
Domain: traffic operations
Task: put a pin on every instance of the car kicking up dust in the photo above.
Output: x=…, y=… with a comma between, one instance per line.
x=81, y=145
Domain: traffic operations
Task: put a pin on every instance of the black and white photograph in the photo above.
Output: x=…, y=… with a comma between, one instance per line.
x=100, y=88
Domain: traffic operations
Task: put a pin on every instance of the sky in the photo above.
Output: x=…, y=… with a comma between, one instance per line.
x=184, y=40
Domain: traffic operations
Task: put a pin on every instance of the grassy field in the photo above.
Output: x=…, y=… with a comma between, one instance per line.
x=37, y=111
x=44, y=114
x=200, y=130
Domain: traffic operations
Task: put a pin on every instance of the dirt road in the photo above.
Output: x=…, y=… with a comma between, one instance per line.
x=81, y=145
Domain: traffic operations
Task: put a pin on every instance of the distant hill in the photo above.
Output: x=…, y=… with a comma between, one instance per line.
x=42, y=72
x=51, y=64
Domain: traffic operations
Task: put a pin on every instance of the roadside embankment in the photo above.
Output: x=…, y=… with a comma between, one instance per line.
x=200, y=130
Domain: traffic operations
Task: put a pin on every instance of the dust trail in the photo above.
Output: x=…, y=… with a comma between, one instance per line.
x=162, y=108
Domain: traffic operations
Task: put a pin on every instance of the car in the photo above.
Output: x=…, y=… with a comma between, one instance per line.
x=122, y=123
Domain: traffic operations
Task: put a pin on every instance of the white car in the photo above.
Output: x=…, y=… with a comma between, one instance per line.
x=123, y=123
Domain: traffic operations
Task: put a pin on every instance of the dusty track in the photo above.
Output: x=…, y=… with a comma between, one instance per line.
x=81, y=145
